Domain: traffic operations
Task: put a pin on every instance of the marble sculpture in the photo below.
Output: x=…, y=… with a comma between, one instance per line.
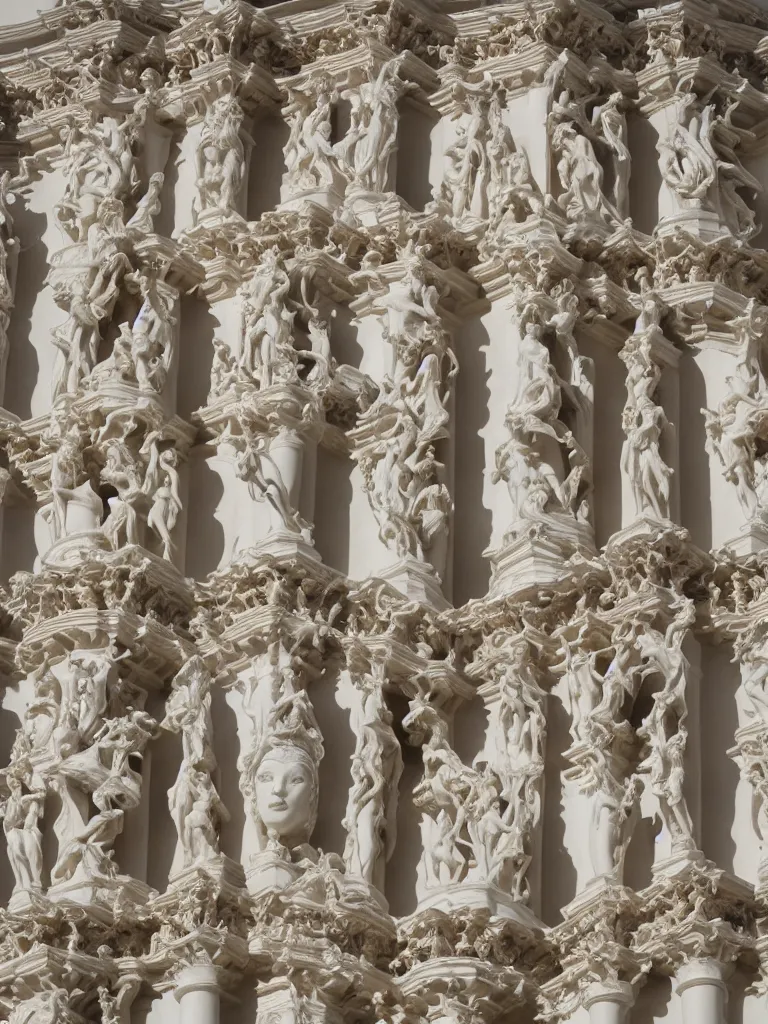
x=384, y=521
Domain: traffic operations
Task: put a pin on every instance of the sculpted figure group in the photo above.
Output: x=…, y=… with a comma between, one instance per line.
x=528, y=232
x=396, y=436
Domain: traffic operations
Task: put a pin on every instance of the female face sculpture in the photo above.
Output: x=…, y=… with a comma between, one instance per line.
x=286, y=792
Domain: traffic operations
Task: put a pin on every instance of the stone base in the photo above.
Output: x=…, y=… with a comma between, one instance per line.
x=597, y=890
x=750, y=540
x=479, y=896
x=590, y=229
x=316, y=203
x=678, y=864
x=225, y=872
x=279, y=544
x=428, y=981
x=704, y=224
x=537, y=556
x=98, y=895
x=24, y=900
x=417, y=580
x=642, y=528
x=359, y=892
x=73, y=550
x=268, y=872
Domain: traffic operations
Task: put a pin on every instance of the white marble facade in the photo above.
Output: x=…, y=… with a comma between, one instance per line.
x=384, y=523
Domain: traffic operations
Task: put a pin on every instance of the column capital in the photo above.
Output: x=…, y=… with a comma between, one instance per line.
x=196, y=978
x=701, y=972
x=620, y=992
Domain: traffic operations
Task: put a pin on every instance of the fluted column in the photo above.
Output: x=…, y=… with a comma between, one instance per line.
x=702, y=990
x=609, y=1003
x=197, y=993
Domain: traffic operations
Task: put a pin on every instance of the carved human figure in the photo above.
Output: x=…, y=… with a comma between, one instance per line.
x=612, y=121
x=148, y=207
x=223, y=369
x=311, y=161
x=86, y=839
x=197, y=812
x=377, y=764
x=585, y=689
x=273, y=479
x=267, y=353
x=188, y=712
x=664, y=728
x=286, y=793
x=751, y=653
x=163, y=485
x=220, y=160
x=410, y=304
x=84, y=677
x=78, y=338
x=122, y=472
x=196, y=808
x=581, y=176
x=741, y=419
x=100, y=163
x=66, y=473
x=467, y=164
x=732, y=432
x=86, y=281
x=441, y=795
x=688, y=161
x=614, y=813
x=152, y=336
x=644, y=423
x=396, y=436
x=372, y=137
x=513, y=194
x=538, y=482
x=21, y=816
x=280, y=773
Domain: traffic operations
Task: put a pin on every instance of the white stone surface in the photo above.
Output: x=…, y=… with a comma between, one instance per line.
x=384, y=427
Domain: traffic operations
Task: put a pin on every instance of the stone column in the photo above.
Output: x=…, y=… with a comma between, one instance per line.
x=703, y=992
x=197, y=993
x=609, y=1003
x=403, y=442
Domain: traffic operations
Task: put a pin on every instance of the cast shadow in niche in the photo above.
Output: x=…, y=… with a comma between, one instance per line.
x=335, y=777
x=414, y=150
x=165, y=221
x=333, y=500
x=471, y=519
x=166, y=761
x=19, y=549
x=205, y=549
x=197, y=327
x=9, y=725
x=266, y=166
x=719, y=720
x=695, y=498
x=23, y=360
x=641, y=852
x=400, y=879
x=556, y=862
x=227, y=777
x=652, y=1004
x=738, y=984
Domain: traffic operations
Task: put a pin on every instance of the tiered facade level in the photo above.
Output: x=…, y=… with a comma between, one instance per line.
x=384, y=522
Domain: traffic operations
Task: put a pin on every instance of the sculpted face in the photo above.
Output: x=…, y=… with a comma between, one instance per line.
x=286, y=791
